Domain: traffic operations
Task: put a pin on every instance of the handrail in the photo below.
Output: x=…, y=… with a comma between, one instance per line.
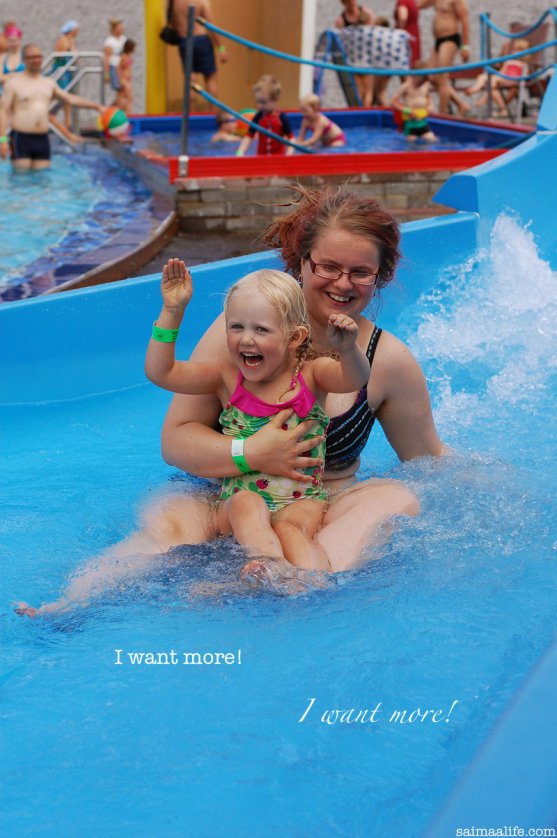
x=484, y=18
x=487, y=27
x=372, y=71
x=72, y=65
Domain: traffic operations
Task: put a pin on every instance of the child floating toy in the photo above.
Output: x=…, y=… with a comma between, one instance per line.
x=113, y=123
x=242, y=127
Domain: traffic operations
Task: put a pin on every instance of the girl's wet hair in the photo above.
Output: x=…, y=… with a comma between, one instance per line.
x=314, y=212
x=284, y=294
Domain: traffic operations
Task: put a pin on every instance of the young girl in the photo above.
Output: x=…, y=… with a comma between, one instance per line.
x=322, y=128
x=268, y=340
x=512, y=70
x=412, y=105
x=124, y=97
x=226, y=129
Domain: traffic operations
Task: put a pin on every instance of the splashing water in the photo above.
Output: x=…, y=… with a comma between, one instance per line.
x=487, y=338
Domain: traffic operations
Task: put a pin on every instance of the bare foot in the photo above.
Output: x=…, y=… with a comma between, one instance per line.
x=282, y=577
x=256, y=572
x=25, y=610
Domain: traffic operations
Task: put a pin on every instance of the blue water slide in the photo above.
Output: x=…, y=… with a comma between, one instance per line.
x=518, y=181
x=92, y=341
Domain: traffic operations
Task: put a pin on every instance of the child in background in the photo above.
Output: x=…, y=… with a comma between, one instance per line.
x=226, y=129
x=412, y=105
x=124, y=97
x=267, y=94
x=513, y=68
x=268, y=338
x=322, y=128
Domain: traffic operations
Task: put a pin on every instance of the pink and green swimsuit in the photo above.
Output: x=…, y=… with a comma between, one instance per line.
x=245, y=414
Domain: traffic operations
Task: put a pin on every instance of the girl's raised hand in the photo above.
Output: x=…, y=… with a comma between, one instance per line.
x=342, y=332
x=176, y=285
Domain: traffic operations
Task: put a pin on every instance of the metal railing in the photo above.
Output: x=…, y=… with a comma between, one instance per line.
x=76, y=67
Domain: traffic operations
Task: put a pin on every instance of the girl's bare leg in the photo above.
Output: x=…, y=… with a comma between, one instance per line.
x=355, y=519
x=247, y=517
x=172, y=521
x=296, y=526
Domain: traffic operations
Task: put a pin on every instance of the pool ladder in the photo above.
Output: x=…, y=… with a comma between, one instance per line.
x=80, y=65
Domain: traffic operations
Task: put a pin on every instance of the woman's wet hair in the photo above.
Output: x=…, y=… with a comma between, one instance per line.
x=284, y=294
x=314, y=212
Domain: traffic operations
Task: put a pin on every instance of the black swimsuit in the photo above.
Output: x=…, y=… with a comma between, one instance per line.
x=348, y=433
x=359, y=22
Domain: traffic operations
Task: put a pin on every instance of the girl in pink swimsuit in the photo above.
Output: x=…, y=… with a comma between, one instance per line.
x=268, y=339
x=323, y=130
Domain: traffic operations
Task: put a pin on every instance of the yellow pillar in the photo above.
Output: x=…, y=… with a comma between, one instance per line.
x=155, y=66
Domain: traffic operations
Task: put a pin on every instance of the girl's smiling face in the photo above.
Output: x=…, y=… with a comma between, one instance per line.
x=256, y=337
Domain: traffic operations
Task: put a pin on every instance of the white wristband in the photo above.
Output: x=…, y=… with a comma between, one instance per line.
x=237, y=451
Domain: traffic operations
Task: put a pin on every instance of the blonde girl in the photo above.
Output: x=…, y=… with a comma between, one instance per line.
x=268, y=369
x=322, y=129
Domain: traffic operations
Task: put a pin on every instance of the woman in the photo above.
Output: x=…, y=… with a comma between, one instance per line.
x=355, y=15
x=12, y=59
x=67, y=42
x=330, y=241
x=342, y=248
x=112, y=50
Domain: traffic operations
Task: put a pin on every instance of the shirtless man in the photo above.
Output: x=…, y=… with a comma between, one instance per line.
x=24, y=106
x=204, y=42
x=451, y=32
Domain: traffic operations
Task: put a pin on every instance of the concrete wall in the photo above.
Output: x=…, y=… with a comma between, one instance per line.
x=41, y=23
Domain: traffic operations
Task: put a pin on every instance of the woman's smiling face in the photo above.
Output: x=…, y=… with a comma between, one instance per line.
x=349, y=252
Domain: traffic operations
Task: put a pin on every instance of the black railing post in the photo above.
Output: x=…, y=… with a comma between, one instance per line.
x=183, y=159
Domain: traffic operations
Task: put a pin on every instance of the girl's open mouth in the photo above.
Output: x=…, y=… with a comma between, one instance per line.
x=251, y=359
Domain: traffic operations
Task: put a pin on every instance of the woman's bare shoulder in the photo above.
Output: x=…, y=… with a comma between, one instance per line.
x=394, y=368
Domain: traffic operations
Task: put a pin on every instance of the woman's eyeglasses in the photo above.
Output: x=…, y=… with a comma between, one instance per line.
x=359, y=276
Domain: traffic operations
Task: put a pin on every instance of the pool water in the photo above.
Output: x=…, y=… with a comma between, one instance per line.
x=458, y=607
x=77, y=205
x=360, y=138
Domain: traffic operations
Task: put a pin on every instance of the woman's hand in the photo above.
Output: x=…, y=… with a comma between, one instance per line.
x=281, y=452
x=176, y=285
x=342, y=332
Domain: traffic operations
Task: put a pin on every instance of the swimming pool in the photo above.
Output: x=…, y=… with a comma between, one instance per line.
x=57, y=216
x=458, y=609
x=374, y=144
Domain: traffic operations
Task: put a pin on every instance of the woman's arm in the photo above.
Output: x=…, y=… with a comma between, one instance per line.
x=398, y=394
x=351, y=371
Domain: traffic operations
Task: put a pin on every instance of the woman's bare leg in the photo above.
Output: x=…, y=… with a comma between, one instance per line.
x=356, y=518
x=170, y=522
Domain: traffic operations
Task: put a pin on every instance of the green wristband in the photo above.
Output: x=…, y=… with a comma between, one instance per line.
x=3, y=139
x=237, y=452
x=164, y=335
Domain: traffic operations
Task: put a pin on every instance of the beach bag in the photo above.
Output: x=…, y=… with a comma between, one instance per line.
x=168, y=34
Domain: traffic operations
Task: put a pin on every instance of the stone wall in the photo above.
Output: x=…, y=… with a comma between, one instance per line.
x=230, y=204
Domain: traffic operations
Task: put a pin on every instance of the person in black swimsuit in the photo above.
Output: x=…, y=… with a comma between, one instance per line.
x=329, y=240
x=343, y=249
